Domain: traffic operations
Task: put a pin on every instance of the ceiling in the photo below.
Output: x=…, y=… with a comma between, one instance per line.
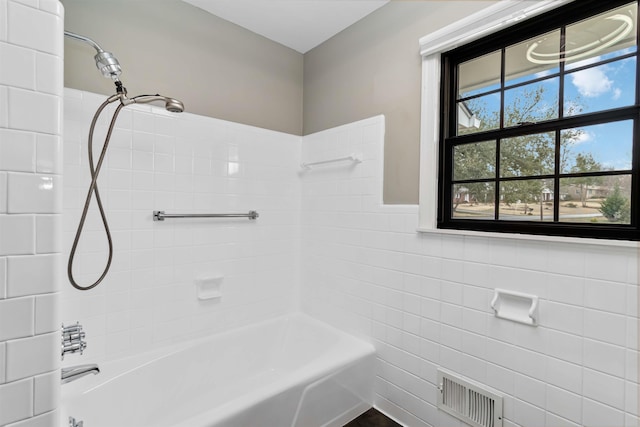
x=298, y=24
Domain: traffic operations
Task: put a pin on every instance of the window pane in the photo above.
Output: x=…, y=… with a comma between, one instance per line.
x=528, y=155
x=531, y=103
x=479, y=75
x=474, y=201
x=479, y=114
x=603, y=36
x=474, y=161
x=532, y=59
x=604, y=199
x=528, y=200
x=600, y=88
x=597, y=148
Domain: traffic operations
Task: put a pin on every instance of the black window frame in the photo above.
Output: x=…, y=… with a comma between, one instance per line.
x=563, y=16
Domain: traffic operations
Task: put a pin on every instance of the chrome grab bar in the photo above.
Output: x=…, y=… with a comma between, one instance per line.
x=160, y=215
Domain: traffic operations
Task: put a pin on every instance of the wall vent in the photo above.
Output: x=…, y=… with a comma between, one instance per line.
x=471, y=402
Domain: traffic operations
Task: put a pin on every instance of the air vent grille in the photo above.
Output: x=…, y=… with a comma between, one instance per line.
x=469, y=401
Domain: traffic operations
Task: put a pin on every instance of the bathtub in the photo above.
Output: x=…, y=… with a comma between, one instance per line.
x=289, y=371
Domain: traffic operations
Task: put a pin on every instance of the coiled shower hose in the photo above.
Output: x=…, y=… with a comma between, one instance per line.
x=93, y=189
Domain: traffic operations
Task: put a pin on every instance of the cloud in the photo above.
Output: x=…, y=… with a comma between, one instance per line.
x=592, y=82
x=617, y=93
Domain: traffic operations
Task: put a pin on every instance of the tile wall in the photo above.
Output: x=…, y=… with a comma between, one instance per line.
x=179, y=163
x=30, y=210
x=424, y=299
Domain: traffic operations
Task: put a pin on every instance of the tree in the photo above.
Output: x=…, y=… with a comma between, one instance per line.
x=585, y=163
x=616, y=207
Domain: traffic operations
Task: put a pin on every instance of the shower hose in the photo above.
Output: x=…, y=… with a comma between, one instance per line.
x=93, y=189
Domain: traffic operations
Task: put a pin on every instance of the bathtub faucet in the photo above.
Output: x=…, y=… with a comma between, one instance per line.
x=73, y=373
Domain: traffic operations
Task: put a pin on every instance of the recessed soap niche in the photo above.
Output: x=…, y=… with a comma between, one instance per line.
x=209, y=287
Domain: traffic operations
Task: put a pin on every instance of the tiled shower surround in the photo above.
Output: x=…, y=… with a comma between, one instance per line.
x=30, y=208
x=325, y=243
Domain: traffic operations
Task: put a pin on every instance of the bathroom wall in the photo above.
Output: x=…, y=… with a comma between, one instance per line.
x=30, y=207
x=216, y=68
x=374, y=67
x=424, y=300
x=178, y=163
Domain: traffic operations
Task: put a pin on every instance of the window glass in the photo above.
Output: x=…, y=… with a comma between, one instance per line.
x=526, y=200
x=474, y=201
x=474, y=161
x=479, y=75
x=528, y=155
x=519, y=66
x=531, y=103
x=596, y=199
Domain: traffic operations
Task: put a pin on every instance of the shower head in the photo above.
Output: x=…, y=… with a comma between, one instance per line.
x=172, y=105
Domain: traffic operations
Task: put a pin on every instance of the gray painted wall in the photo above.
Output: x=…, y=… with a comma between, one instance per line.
x=216, y=68
x=374, y=67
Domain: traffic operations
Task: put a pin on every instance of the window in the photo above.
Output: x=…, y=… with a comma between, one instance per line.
x=539, y=126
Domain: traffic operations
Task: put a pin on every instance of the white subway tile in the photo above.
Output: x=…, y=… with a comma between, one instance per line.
x=564, y=403
x=41, y=33
x=18, y=66
x=603, y=388
x=606, y=296
x=3, y=189
x=556, y=421
x=3, y=20
x=3, y=277
x=16, y=401
x=563, y=374
x=16, y=318
x=3, y=362
x=34, y=193
x=48, y=154
x=17, y=151
x=17, y=234
x=530, y=390
x=49, y=73
x=604, y=357
x=595, y=414
x=631, y=397
x=45, y=420
x=48, y=233
x=31, y=275
x=607, y=327
x=47, y=313
x=52, y=6
x=35, y=111
x=32, y=356
x=4, y=105
x=608, y=265
x=46, y=392
x=562, y=317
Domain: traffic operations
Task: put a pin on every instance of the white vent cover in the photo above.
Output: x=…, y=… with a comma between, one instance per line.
x=473, y=403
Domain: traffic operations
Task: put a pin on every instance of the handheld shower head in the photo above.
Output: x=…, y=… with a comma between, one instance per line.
x=172, y=105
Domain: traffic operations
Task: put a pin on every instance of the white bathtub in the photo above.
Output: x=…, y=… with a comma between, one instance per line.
x=290, y=371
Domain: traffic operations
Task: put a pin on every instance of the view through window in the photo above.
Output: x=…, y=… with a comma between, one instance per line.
x=539, y=130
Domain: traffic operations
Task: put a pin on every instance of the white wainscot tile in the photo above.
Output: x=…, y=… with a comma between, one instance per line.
x=47, y=313
x=608, y=264
x=18, y=66
x=4, y=105
x=17, y=234
x=631, y=396
x=564, y=375
x=16, y=401
x=38, y=33
x=3, y=20
x=3, y=362
x=17, y=150
x=48, y=154
x=46, y=392
x=32, y=356
x=563, y=317
x=3, y=277
x=34, y=193
x=34, y=111
x=562, y=345
x=16, y=318
x=31, y=275
x=566, y=289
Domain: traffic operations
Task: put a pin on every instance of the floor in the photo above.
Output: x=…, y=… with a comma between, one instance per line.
x=373, y=418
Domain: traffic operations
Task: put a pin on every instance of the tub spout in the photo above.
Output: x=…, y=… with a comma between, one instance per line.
x=73, y=373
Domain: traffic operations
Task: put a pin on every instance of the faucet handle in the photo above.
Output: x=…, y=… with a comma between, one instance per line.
x=73, y=339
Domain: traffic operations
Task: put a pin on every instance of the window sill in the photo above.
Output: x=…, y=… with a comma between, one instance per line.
x=532, y=237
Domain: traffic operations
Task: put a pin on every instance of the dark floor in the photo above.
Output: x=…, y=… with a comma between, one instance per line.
x=372, y=418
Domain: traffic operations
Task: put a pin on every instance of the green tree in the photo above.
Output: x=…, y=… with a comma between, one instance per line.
x=585, y=163
x=616, y=207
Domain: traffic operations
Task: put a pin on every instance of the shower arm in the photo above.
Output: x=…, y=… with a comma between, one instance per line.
x=87, y=40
